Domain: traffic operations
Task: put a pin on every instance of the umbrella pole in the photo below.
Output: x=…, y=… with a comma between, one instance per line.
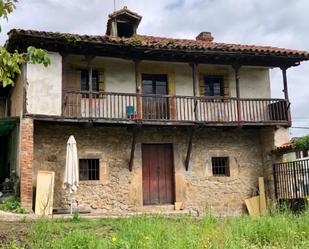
x=71, y=204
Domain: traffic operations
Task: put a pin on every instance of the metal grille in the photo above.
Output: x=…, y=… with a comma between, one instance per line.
x=291, y=179
x=89, y=169
x=220, y=166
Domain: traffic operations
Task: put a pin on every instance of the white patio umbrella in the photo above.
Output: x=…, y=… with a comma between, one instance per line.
x=71, y=177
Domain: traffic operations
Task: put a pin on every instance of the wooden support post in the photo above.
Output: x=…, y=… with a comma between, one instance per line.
x=89, y=59
x=187, y=162
x=138, y=89
x=286, y=91
x=135, y=132
x=285, y=83
x=236, y=68
x=194, y=78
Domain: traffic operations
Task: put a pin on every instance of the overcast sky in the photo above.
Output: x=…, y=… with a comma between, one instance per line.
x=282, y=23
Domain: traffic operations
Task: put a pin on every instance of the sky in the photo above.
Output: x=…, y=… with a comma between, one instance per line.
x=281, y=23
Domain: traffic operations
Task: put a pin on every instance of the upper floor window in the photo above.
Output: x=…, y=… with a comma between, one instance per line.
x=85, y=80
x=214, y=86
x=298, y=154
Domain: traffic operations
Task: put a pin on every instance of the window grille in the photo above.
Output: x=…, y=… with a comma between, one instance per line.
x=220, y=166
x=89, y=169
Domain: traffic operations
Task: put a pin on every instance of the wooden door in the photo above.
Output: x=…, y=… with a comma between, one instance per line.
x=155, y=105
x=158, y=174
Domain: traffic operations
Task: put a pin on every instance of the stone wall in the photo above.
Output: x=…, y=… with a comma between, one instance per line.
x=119, y=190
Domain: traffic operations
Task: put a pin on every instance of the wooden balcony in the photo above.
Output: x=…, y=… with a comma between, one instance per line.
x=178, y=110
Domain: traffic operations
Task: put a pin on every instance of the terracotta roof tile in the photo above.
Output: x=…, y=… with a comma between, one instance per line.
x=164, y=43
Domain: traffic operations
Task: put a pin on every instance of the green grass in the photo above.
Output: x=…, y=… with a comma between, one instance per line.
x=271, y=231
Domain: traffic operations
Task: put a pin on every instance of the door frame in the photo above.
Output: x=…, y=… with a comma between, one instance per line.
x=171, y=145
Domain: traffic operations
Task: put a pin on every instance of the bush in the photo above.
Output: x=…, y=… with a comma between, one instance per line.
x=12, y=204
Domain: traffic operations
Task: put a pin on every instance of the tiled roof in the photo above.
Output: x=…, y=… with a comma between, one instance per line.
x=284, y=147
x=152, y=42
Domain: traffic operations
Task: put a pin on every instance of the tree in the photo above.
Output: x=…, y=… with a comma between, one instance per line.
x=10, y=62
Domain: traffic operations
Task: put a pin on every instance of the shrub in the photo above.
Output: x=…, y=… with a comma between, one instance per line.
x=12, y=204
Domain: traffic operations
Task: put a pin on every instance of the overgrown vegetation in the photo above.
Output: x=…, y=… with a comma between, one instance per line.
x=12, y=204
x=279, y=230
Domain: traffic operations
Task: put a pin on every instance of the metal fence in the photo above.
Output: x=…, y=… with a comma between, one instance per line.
x=291, y=180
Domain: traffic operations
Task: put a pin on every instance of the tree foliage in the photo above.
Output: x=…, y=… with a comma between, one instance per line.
x=302, y=143
x=10, y=62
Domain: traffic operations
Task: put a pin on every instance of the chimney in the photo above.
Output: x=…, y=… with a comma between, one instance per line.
x=205, y=36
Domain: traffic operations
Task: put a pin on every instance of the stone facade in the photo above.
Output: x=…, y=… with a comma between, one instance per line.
x=120, y=190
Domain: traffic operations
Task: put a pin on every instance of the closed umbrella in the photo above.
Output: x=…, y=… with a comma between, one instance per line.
x=71, y=177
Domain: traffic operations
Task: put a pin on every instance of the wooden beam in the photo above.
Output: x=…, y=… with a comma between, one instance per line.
x=194, y=85
x=236, y=68
x=138, y=88
x=286, y=91
x=285, y=83
x=134, y=135
x=187, y=162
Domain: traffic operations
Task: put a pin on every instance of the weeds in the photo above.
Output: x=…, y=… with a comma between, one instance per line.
x=12, y=204
x=276, y=230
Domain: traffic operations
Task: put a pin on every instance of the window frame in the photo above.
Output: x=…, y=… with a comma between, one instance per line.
x=84, y=80
x=226, y=167
x=212, y=87
x=96, y=171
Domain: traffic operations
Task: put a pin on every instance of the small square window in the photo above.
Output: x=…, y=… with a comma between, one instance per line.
x=89, y=169
x=220, y=166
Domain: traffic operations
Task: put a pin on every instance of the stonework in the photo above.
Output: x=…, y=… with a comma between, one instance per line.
x=26, y=160
x=120, y=190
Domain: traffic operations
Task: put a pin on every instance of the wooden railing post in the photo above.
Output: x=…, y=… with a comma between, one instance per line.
x=236, y=68
x=138, y=89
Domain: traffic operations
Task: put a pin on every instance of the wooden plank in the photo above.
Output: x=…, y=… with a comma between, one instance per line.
x=44, y=193
x=263, y=208
x=253, y=205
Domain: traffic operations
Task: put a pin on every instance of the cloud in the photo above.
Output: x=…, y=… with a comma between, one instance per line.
x=282, y=23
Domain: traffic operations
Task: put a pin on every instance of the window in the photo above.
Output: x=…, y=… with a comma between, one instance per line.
x=89, y=169
x=298, y=154
x=214, y=86
x=220, y=166
x=85, y=80
x=305, y=153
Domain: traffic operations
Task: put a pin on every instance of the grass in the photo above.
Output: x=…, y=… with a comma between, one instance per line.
x=279, y=230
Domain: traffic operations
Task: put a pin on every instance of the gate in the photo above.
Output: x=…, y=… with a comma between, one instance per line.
x=291, y=181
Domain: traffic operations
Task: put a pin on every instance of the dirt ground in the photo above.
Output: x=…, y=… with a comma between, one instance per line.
x=13, y=230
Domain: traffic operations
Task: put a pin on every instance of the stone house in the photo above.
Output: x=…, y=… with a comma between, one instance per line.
x=156, y=120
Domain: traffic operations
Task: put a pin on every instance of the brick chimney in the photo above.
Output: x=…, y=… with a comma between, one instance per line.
x=205, y=36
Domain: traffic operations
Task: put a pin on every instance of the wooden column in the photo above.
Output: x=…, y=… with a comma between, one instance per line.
x=138, y=89
x=89, y=60
x=286, y=92
x=194, y=85
x=236, y=68
x=285, y=83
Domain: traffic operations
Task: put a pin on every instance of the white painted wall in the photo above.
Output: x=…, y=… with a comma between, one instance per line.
x=254, y=83
x=183, y=79
x=119, y=76
x=44, y=92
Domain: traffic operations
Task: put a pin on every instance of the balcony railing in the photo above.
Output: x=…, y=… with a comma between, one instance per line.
x=180, y=109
